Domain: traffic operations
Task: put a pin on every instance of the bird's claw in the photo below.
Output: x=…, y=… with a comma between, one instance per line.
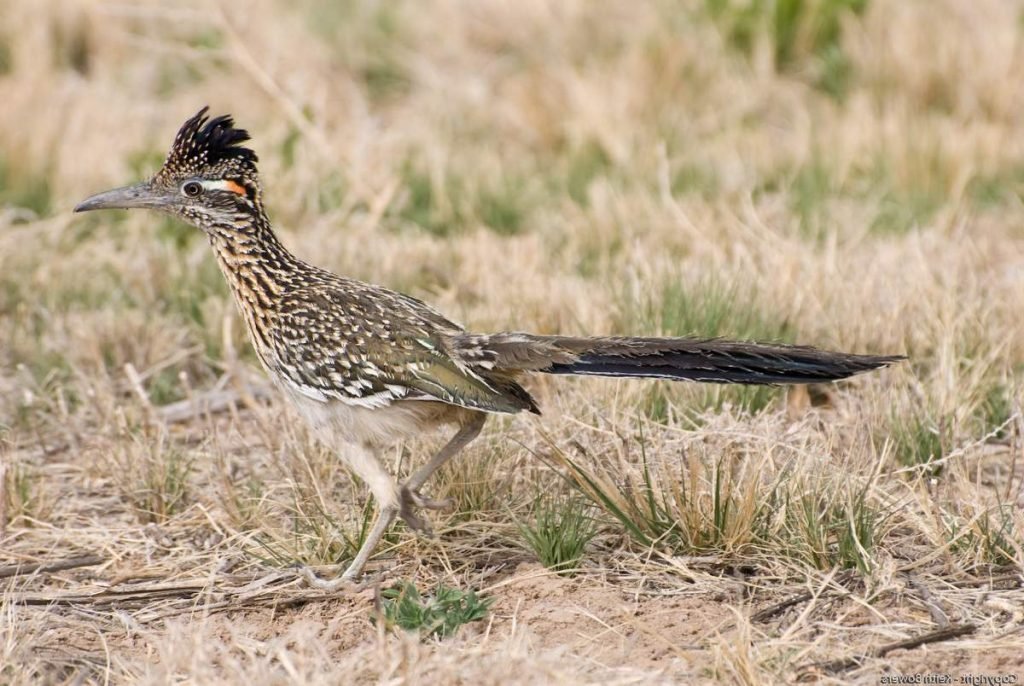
x=410, y=501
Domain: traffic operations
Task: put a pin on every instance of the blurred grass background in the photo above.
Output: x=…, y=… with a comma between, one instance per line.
x=728, y=167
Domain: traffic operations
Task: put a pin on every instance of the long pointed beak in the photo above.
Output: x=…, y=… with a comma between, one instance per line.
x=139, y=195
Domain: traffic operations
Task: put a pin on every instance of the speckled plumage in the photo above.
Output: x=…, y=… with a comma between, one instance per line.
x=365, y=365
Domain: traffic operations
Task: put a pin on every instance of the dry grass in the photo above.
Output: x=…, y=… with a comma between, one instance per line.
x=849, y=177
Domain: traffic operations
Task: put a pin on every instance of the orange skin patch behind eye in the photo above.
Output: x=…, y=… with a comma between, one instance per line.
x=235, y=187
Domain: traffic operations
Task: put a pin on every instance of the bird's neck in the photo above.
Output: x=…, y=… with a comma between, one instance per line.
x=258, y=268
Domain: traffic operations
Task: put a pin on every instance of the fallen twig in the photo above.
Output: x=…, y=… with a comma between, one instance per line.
x=1015, y=580
x=844, y=664
x=209, y=403
x=954, y=631
x=767, y=613
x=106, y=597
x=277, y=588
x=56, y=566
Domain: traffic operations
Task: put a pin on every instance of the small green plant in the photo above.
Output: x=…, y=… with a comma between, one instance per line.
x=694, y=179
x=858, y=535
x=331, y=192
x=243, y=501
x=144, y=162
x=196, y=296
x=439, y=615
x=559, y=532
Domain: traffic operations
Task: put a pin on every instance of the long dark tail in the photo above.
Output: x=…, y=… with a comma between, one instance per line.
x=707, y=360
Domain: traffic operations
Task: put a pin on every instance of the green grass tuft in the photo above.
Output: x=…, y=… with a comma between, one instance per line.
x=331, y=191
x=190, y=296
x=164, y=387
x=825, y=531
x=988, y=537
x=917, y=439
x=559, y=531
x=697, y=507
x=474, y=485
x=313, y=535
x=805, y=36
x=144, y=162
x=994, y=411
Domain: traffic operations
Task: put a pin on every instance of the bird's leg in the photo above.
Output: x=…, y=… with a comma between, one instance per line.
x=466, y=433
x=384, y=519
x=363, y=461
x=347, y=580
x=410, y=497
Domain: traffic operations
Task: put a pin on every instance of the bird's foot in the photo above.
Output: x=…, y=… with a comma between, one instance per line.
x=421, y=501
x=346, y=582
x=410, y=501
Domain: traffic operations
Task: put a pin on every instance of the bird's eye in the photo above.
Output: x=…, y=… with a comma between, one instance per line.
x=192, y=188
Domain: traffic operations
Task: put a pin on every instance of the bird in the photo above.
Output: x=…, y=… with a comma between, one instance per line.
x=366, y=366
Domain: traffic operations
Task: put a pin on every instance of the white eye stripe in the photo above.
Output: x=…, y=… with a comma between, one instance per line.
x=224, y=185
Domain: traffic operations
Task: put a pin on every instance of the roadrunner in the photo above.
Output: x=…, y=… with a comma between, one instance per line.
x=367, y=366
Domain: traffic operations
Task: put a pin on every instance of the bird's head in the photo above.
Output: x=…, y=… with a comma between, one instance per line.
x=209, y=179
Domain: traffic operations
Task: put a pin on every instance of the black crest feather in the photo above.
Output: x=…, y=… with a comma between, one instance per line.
x=202, y=141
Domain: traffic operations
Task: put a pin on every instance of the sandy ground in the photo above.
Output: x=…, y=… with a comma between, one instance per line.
x=178, y=601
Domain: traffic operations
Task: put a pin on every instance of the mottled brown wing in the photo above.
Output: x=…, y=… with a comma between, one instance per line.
x=366, y=348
